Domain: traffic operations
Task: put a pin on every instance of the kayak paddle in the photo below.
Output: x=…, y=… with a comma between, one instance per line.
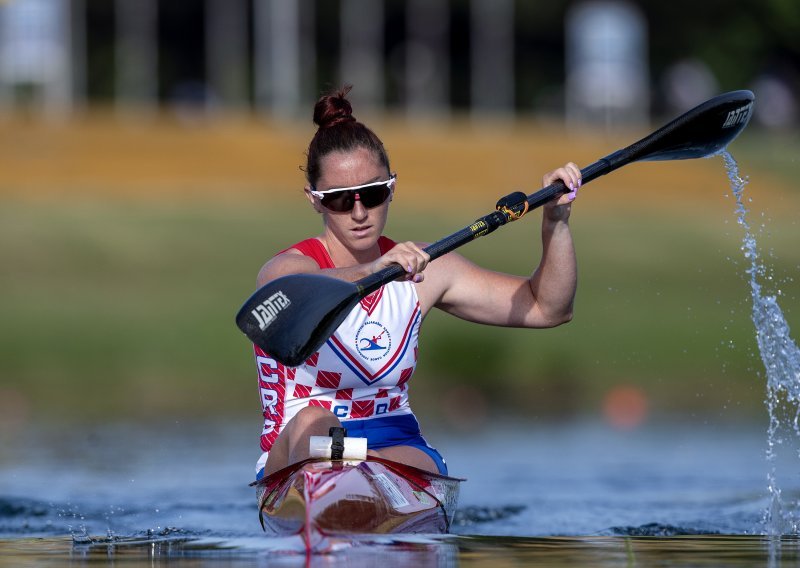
x=292, y=316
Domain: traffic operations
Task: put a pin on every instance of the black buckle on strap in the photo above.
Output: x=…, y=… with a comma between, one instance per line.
x=338, y=435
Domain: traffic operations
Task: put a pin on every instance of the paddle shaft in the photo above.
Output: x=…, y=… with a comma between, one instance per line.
x=489, y=223
x=700, y=132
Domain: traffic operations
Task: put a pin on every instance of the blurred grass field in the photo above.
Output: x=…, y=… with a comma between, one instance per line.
x=126, y=251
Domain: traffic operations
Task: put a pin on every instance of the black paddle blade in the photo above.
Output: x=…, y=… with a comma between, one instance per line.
x=703, y=131
x=292, y=316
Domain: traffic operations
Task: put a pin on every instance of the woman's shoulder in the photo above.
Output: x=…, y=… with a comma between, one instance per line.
x=311, y=248
x=306, y=256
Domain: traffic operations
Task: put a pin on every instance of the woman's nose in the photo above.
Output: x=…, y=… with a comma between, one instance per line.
x=359, y=211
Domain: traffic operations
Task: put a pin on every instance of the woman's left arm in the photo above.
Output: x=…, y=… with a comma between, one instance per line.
x=545, y=299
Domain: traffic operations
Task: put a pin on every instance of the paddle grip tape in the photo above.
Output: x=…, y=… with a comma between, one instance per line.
x=337, y=435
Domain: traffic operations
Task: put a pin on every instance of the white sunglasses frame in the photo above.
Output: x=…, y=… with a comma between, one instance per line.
x=389, y=182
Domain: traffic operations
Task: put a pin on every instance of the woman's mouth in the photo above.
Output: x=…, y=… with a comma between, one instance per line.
x=361, y=231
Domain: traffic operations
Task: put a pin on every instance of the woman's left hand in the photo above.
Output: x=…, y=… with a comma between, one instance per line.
x=560, y=208
x=408, y=255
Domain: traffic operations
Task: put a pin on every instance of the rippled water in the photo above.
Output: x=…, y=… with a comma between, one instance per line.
x=181, y=491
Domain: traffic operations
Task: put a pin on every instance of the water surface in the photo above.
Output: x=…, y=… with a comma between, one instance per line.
x=562, y=492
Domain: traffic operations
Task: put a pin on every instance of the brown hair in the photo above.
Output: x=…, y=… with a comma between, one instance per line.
x=339, y=131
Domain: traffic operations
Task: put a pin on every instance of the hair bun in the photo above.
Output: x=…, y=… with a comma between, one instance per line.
x=333, y=109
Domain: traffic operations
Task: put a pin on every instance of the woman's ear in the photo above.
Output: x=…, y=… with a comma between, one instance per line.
x=311, y=199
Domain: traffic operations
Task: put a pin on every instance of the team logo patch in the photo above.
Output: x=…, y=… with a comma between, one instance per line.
x=373, y=341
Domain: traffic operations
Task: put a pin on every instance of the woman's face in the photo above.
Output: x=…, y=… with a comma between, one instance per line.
x=358, y=229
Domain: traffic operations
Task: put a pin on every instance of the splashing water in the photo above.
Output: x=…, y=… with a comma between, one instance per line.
x=781, y=358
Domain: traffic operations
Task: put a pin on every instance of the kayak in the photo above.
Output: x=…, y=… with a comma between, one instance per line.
x=322, y=498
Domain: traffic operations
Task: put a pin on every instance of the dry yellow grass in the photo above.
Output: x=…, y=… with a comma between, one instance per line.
x=102, y=155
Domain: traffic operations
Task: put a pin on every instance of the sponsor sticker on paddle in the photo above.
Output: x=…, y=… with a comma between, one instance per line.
x=267, y=311
x=738, y=116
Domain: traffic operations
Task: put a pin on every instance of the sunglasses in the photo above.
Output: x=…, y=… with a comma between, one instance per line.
x=343, y=199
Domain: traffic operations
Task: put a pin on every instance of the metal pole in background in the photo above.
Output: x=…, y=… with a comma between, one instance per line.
x=492, y=52
x=261, y=59
x=6, y=85
x=78, y=53
x=277, y=57
x=36, y=59
x=308, y=53
x=136, y=55
x=606, y=64
x=226, y=53
x=427, y=73
x=58, y=87
x=362, y=61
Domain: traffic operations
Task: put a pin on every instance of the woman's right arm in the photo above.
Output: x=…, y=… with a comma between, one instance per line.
x=289, y=262
x=408, y=255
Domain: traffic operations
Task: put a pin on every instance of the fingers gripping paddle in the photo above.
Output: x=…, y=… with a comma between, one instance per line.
x=292, y=316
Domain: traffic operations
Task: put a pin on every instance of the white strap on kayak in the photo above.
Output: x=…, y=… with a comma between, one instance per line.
x=337, y=446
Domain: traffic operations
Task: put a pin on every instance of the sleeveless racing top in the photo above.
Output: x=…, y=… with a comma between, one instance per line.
x=360, y=373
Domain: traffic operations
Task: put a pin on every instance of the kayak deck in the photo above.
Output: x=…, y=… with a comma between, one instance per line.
x=320, y=497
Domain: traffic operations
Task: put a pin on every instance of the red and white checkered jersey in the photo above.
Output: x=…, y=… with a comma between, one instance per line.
x=361, y=372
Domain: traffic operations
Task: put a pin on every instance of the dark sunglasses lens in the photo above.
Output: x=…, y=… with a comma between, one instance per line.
x=374, y=196
x=339, y=201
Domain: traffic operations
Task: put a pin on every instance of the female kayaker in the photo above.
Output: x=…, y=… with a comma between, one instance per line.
x=359, y=378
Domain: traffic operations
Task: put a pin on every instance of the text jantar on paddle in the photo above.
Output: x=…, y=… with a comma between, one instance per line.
x=266, y=312
x=738, y=116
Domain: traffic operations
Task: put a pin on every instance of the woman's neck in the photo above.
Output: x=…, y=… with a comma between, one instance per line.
x=343, y=257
